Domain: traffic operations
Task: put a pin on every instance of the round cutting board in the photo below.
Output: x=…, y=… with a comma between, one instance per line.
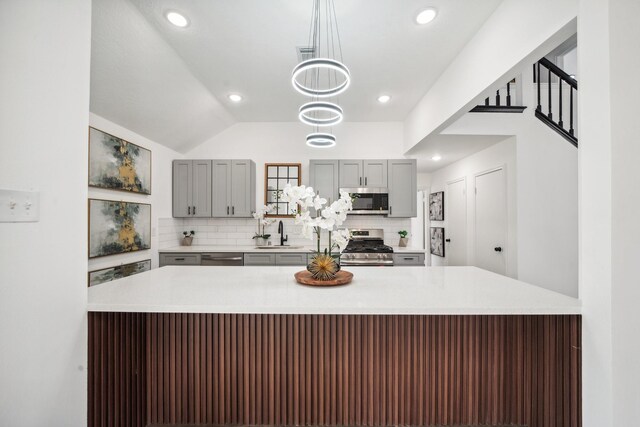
x=342, y=278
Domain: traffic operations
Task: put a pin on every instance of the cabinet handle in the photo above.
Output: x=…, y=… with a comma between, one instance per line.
x=178, y=259
x=360, y=180
x=365, y=180
x=409, y=259
x=194, y=210
x=390, y=210
x=227, y=210
x=233, y=210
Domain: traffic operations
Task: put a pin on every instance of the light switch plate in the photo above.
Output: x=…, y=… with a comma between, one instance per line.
x=19, y=206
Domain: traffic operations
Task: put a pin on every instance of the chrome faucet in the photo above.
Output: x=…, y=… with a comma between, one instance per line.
x=282, y=236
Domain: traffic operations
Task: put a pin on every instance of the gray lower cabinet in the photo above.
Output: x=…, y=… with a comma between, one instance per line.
x=291, y=259
x=403, y=188
x=234, y=188
x=191, y=188
x=323, y=177
x=179, y=259
x=259, y=259
x=408, y=259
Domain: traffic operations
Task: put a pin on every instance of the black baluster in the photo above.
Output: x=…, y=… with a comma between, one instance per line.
x=560, y=123
x=509, y=94
x=486, y=101
x=539, y=107
x=571, y=110
x=534, y=74
x=549, y=84
x=498, y=98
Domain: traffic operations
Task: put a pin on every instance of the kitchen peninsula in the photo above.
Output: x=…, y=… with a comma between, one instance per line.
x=411, y=346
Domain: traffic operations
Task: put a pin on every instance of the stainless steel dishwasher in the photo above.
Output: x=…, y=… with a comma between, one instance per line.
x=222, y=258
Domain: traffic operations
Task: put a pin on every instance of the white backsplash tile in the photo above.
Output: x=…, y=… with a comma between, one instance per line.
x=239, y=231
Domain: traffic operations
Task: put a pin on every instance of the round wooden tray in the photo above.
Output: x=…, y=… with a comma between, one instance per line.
x=342, y=278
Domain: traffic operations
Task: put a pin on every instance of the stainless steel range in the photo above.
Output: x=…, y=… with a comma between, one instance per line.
x=367, y=248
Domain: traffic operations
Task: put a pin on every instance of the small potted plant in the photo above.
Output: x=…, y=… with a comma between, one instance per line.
x=261, y=237
x=188, y=237
x=403, y=238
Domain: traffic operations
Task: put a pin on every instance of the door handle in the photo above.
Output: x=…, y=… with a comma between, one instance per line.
x=447, y=240
x=189, y=210
x=497, y=249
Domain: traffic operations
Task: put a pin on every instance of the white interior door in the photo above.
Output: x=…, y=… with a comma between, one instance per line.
x=491, y=221
x=455, y=204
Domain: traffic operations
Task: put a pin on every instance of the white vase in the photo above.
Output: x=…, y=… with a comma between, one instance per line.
x=261, y=241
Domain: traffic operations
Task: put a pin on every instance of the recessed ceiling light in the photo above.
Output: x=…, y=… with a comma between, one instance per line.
x=426, y=16
x=235, y=97
x=436, y=158
x=383, y=99
x=177, y=19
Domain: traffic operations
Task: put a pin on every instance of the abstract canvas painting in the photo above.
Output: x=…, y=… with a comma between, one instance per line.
x=118, y=227
x=436, y=206
x=437, y=241
x=117, y=164
x=97, y=277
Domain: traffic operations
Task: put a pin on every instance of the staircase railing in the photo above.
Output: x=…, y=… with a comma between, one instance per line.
x=554, y=73
x=497, y=106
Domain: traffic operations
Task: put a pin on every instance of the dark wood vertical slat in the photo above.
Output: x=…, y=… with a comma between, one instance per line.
x=395, y=370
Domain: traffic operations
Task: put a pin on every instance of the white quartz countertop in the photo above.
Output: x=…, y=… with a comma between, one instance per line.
x=374, y=290
x=250, y=249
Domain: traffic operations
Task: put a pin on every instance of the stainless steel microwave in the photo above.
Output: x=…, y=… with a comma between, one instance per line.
x=369, y=201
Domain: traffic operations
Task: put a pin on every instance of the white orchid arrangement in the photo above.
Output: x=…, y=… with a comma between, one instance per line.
x=262, y=221
x=327, y=218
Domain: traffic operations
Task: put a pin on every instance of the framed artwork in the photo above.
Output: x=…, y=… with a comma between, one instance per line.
x=103, y=275
x=437, y=241
x=118, y=227
x=116, y=164
x=436, y=206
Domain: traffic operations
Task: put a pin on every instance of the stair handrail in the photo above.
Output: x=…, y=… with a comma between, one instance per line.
x=559, y=72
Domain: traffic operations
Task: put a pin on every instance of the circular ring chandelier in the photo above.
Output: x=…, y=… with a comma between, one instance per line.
x=306, y=113
x=321, y=140
x=317, y=64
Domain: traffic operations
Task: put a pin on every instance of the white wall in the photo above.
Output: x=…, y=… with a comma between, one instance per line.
x=514, y=34
x=498, y=155
x=547, y=189
x=44, y=81
x=160, y=198
x=609, y=206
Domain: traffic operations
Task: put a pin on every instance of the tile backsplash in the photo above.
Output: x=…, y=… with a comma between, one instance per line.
x=239, y=231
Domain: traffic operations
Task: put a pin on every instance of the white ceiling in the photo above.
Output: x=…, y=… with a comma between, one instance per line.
x=451, y=148
x=171, y=84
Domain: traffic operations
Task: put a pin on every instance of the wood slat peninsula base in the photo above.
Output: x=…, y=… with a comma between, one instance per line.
x=342, y=370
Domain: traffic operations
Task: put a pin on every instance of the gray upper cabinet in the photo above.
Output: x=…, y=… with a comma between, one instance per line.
x=323, y=177
x=351, y=174
x=363, y=173
x=375, y=173
x=403, y=189
x=191, y=188
x=234, y=188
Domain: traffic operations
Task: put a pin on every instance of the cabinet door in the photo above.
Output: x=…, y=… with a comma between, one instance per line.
x=243, y=194
x=221, y=188
x=182, y=188
x=179, y=259
x=400, y=259
x=375, y=173
x=323, y=177
x=351, y=174
x=403, y=190
x=291, y=259
x=201, y=204
x=259, y=259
